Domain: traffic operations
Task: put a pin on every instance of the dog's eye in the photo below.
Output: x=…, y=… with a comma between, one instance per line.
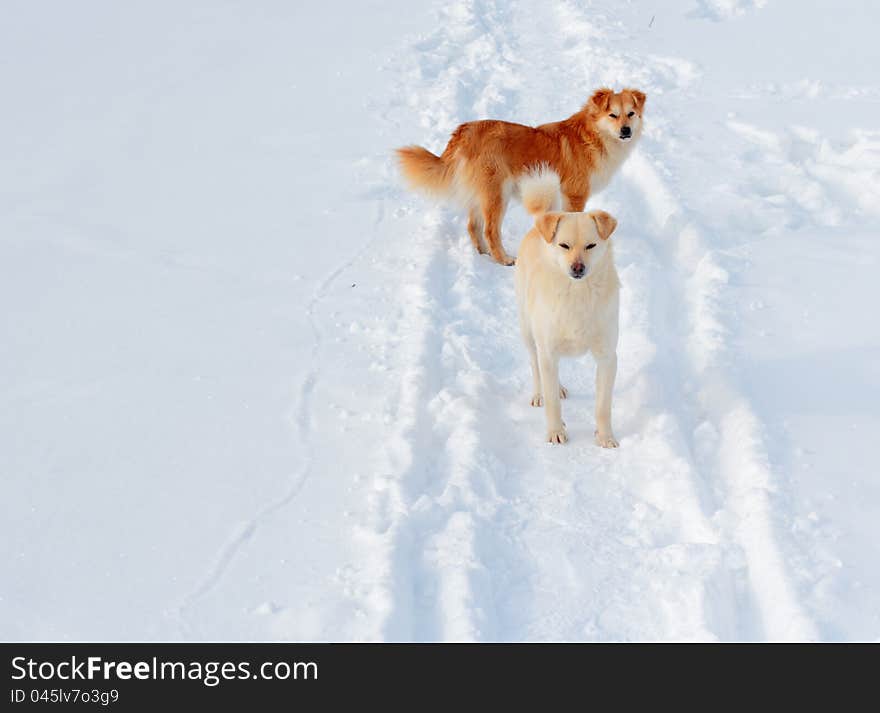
x=564, y=246
x=632, y=113
x=613, y=116
x=591, y=246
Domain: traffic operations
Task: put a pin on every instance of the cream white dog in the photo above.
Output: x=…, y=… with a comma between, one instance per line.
x=568, y=293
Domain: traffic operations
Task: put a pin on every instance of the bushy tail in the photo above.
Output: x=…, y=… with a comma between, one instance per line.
x=540, y=191
x=425, y=171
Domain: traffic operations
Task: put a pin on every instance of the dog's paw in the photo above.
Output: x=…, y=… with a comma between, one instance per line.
x=606, y=440
x=538, y=399
x=505, y=259
x=557, y=435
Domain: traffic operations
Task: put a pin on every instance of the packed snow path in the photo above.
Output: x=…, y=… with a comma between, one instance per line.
x=394, y=483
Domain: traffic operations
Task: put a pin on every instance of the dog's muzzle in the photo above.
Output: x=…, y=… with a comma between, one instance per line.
x=578, y=270
x=625, y=133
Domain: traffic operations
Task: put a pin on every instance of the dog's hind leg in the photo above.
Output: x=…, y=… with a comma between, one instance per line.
x=493, y=214
x=475, y=230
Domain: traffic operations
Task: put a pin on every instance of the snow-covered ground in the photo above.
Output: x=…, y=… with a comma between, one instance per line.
x=252, y=388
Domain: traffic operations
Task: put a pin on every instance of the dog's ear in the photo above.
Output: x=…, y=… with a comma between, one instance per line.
x=605, y=223
x=547, y=224
x=599, y=101
x=638, y=99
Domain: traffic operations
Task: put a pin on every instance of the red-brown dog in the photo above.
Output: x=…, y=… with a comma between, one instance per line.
x=484, y=160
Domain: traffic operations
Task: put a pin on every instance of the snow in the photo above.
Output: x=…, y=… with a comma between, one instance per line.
x=252, y=388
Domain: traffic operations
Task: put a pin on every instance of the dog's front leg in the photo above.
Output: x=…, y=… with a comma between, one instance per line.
x=606, y=371
x=537, y=394
x=549, y=367
x=537, y=398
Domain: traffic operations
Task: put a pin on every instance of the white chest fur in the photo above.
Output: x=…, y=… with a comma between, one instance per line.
x=616, y=153
x=571, y=318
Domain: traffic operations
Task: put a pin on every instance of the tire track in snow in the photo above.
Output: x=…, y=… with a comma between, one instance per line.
x=452, y=502
x=728, y=433
x=402, y=472
x=720, y=430
x=434, y=513
x=431, y=514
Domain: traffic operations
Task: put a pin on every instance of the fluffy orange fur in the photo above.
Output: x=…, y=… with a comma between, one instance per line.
x=484, y=159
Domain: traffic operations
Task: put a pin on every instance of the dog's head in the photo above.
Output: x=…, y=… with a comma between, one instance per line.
x=618, y=116
x=578, y=241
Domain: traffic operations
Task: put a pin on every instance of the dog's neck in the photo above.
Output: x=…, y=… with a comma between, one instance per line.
x=583, y=124
x=612, y=155
x=616, y=151
x=612, y=152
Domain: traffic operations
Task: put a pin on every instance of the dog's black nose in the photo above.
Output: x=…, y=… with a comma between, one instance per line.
x=577, y=270
x=625, y=131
